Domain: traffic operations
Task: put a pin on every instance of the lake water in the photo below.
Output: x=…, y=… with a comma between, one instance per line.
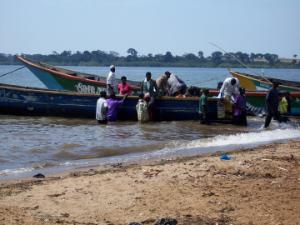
x=207, y=77
x=38, y=144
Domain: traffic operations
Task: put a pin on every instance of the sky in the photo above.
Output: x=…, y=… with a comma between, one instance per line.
x=150, y=26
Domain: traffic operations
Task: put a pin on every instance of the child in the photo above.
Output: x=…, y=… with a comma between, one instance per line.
x=239, y=109
x=284, y=107
x=283, y=104
x=142, y=109
x=203, y=107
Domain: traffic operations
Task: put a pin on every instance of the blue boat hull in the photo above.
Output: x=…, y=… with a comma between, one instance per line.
x=16, y=100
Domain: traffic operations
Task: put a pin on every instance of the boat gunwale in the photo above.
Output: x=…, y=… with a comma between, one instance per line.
x=42, y=90
x=62, y=92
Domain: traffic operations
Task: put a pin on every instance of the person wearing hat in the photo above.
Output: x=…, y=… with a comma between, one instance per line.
x=111, y=80
x=272, y=103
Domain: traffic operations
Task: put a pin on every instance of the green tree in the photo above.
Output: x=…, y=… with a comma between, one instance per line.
x=252, y=57
x=216, y=57
x=86, y=56
x=271, y=58
x=201, y=55
x=132, y=52
x=66, y=54
x=190, y=57
x=168, y=57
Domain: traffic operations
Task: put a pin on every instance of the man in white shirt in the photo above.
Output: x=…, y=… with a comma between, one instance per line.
x=176, y=85
x=111, y=81
x=229, y=89
x=101, y=108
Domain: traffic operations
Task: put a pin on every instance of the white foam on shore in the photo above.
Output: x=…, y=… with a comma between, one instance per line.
x=15, y=171
x=230, y=142
x=246, y=138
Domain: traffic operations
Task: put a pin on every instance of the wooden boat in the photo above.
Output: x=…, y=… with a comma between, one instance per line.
x=56, y=78
x=62, y=79
x=18, y=100
x=262, y=83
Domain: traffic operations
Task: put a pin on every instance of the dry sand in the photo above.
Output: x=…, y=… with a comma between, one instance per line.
x=257, y=186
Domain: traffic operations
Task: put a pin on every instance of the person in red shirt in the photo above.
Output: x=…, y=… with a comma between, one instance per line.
x=124, y=88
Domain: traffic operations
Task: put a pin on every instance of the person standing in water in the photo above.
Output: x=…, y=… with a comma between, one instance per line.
x=239, y=109
x=113, y=107
x=101, y=108
x=203, y=107
x=272, y=103
x=229, y=89
x=142, y=109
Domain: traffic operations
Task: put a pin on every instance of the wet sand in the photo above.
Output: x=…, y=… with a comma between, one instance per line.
x=257, y=186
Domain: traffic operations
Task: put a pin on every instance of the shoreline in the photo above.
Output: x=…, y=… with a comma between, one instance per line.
x=140, y=158
x=257, y=186
x=223, y=66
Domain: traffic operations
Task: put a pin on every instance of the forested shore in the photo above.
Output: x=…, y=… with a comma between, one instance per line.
x=102, y=58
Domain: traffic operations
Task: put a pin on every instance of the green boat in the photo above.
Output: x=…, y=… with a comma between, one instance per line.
x=57, y=78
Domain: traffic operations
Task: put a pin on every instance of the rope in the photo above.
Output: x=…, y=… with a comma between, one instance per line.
x=12, y=71
x=205, y=81
x=240, y=62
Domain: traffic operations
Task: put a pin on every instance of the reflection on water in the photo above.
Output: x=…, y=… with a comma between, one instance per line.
x=39, y=142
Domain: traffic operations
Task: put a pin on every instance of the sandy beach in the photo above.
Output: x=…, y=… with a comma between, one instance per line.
x=257, y=186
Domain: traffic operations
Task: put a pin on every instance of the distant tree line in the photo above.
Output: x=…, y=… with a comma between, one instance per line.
x=102, y=58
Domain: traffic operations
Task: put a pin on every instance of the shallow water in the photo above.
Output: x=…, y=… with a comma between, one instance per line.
x=29, y=144
x=34, y=144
